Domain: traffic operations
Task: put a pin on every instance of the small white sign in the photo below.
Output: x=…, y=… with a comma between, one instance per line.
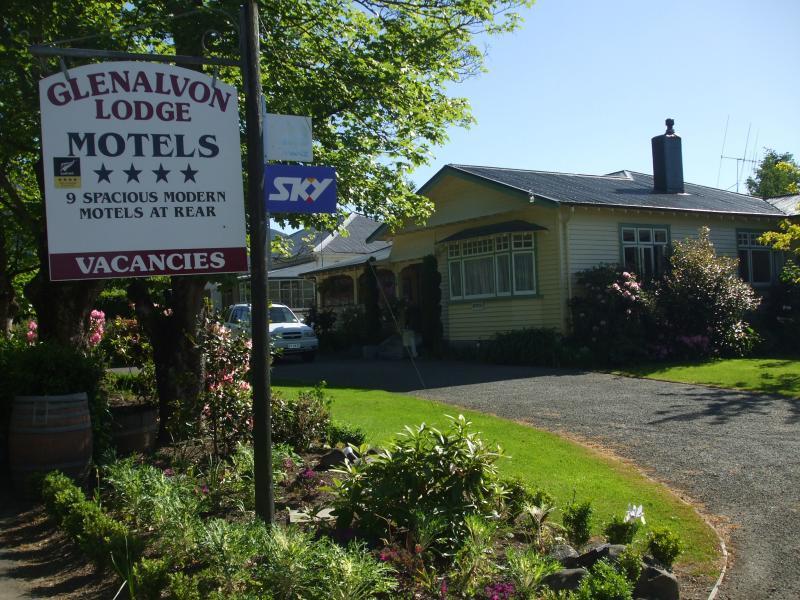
x=142, y=171
x=287, y=137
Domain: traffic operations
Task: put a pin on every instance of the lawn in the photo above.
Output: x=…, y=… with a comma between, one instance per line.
x=768, y=375
x=541, y=459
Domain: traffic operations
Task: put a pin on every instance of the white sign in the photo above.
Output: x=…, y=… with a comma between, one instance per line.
x=287, y=137
x=142, y=171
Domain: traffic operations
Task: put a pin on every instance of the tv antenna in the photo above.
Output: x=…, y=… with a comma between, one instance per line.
x=741, y=161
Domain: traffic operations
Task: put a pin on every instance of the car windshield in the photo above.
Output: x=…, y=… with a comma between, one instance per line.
x=280, y=314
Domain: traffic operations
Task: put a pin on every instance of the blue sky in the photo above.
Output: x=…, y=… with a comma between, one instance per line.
x=583, y=85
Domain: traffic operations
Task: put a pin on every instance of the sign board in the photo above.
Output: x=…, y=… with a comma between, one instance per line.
x=300, y=189
x=142, y=172
x=287, y=137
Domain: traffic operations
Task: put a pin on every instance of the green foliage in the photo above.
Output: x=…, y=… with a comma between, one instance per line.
x=604, y=582
x=125, y=344
x=518, y=494
x=102, y=538
x=664, y=546
x=527, y=569
x=776, y=175
x=430, y=298
x=113, y=301
x=342, y=433
x=536, y=520
x=473, y=565
x=302, y=421
x=368, y=297
x=702, y=301
x=576, y=518
x=619, y=531
x=537, y=347
x=630, y=564
x=611, y=315
x=183, y=587
x=149, y=577
x=448, y=474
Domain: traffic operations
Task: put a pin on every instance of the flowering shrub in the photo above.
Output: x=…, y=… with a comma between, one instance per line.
x=125, y=343
x=612, y=314
x=97, y=324
x=702, y=302
x=226, y=414
x=33, y=334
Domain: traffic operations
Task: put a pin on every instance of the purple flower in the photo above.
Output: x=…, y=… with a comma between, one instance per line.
x=168, y=472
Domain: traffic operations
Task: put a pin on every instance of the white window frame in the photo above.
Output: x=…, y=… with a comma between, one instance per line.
x=641, y=246
x=506, y=245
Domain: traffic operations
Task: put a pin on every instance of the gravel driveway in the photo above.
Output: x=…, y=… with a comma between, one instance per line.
x=736, y=453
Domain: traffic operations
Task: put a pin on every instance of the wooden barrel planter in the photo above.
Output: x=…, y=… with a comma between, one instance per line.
x=47, y=433
x=135, y=428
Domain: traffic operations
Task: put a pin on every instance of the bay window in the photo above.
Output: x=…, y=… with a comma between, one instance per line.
x=492, y=266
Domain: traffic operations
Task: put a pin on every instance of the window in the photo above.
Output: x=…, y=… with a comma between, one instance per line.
x=755, y=260
x=644, y=249
x=501, y=265
x=296, y=293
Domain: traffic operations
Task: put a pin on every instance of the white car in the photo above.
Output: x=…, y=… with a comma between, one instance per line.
x=287, y=333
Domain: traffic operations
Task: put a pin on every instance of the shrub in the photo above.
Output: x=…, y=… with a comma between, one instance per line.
x=149, y=577
x=540, y=347
x=543, y=533
x=226, y=414
x=518, y=495
x=703, y=302
x=630, y=564
x=472, y=567
x=341, y=433
x=576, y=519
x=125, y=343
x=611, y=315
x=302, y=421
x=620, y=531
x=528, y=569
x=604, y=582
x=664, y=546
x=448, y=474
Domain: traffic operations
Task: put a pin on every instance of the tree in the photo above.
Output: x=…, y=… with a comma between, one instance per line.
x=776, y=175
x=371, y=73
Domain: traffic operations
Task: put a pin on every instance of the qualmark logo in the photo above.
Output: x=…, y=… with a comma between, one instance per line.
x=67, y=171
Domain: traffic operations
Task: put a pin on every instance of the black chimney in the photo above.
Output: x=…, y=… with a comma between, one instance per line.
x=667, y=162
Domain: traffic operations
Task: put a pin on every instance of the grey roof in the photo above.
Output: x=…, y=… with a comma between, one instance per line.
x=293, y=272
x=359, y=227
x=790, y=205
x=620, y=189
x=379, y=256
x=506, y=227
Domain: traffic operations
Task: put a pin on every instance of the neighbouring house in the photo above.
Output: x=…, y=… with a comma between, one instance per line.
x=309, y=250
x=509, y=242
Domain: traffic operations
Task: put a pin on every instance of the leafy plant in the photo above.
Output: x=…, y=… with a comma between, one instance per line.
x=341, y=433
x=149, y=577
x=449, y=474
x=630, y=564
x=535, y=517
x=518, y=494
x=604, y=582
x=664, y=546
x=473, y=564
x=302, y=421
x=527, y=569
x=576, y=518
x=621, y=531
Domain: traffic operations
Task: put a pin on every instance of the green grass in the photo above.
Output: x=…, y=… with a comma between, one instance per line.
x=768, y=375
x=542, y=460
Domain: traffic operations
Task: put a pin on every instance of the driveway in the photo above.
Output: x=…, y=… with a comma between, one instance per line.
x=736, y=453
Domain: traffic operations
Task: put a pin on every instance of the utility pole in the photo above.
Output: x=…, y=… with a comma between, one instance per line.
x=259, y=367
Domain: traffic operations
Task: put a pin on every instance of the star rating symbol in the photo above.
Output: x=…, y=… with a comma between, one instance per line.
x=103, y=173
x=188, y=174
x=161, y=173
x=132, y=173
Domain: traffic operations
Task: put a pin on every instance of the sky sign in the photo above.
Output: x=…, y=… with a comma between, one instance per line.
x=300, y=189
x=142, y=171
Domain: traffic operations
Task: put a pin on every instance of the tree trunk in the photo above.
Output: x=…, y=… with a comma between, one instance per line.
x=174, y=331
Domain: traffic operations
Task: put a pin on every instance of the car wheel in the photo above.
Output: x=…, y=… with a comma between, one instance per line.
x=309, y=356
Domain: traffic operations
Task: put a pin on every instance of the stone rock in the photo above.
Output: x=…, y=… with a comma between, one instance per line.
x=335, y=458
x=565, y=579
x=656, y=583
x=614, y=551
x=589, y=558
x=565, y=554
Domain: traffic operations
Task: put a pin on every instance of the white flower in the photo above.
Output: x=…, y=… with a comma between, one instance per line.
x=635, y=512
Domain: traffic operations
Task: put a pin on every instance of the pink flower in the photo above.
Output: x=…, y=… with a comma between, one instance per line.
x=626, y=275
x=32, y=326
